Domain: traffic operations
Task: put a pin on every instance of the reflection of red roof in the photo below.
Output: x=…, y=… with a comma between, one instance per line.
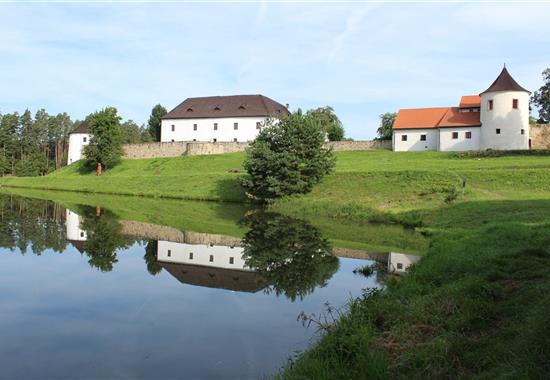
x=418, y=118
x=454, y=118
x=470, y=101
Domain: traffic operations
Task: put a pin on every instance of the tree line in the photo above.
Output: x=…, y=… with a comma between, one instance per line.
x=32, y=145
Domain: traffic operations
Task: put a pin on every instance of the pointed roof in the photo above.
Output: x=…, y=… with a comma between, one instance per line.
x=504, y=82
x=82, y=128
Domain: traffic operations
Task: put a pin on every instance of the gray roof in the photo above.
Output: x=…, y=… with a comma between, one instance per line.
x=227, y=106
x=82, y=128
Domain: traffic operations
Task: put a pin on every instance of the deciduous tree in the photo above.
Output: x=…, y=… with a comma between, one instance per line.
x=329, y=122
x=385, y=131
x=541, y=98
x=105, y=147
x=157, y=113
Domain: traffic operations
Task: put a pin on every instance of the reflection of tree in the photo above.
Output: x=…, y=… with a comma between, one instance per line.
x=153, y=266
x=288, y=253
x=103, y=238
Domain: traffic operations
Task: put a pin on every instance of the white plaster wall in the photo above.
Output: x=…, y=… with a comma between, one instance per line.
x=510, y=121
x=179, y=254
x=205, y=129
x=400, y=262
x=72, y=225
x=413, y=142
x=447, y=143
x=76, y=144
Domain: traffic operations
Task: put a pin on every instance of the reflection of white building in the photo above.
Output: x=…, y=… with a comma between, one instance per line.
x=72, y=224
x=400, y=262
x=208, y=265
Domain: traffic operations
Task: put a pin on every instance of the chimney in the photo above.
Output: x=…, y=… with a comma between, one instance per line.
x=287, y=105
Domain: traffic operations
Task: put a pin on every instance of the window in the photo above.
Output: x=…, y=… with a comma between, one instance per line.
x=194, y=127
x=194, y=139
x=498, y=131
x=455, y=135
x=490, y=105
x=403, y=137
x=173, y=127
x=169, y=252
x=84, y=139
x=173, y=140
x=215, y=126
x=258, y=125
x=231, y=260
x=523, y=131
x=515, y=104
x=211, y=258
x=235, y=139
x=399, y=265
x=81, y=234
x=468, y=135
x=214, y=140
x=235, y=126
x=422, y=137
x=190, y=255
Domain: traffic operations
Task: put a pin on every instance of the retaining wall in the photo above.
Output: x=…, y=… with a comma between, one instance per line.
x=540, y=136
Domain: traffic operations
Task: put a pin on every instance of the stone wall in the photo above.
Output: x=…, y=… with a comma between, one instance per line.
x=540, y=136
x=175, y=149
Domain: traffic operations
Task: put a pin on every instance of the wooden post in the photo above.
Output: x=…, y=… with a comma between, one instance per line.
x=98, y=169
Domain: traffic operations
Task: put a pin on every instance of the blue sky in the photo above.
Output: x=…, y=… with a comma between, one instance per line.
x=363, y=59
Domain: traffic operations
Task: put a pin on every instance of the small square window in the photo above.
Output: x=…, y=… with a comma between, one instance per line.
x=173, y=140
x=194, y=139
x=173, y=127
x=214, y=140
x=235, y=126
x=190, y=255
x=403, y=137
x=258, y=125
x=498, y=131
x=231, y=260
x=235, y=140
x=490, y=105
x=515, y=104
x=422, y=137
x=81, y=234
x=455, y=135
x=468, y=135
x=84, y=139
x=215, y=126
x=169, y=253
x=399, y=265
x=195, y=127
x=211, y=258
x=523, y=131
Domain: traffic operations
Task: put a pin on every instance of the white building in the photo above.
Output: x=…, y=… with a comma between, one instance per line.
x=497, y=119
x=219, y=118
x=78, y=139
x=72, y=225
x=400, y=262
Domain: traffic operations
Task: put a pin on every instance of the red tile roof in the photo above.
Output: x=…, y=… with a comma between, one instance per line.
x=470, y=101
x=419, y=118
x=454, y=118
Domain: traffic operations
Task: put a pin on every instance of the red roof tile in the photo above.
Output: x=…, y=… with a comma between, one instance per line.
x=470, y=101
x=454, y=118
x=419, y=118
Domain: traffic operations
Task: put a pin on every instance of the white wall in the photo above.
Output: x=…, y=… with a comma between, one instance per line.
x=178, y=253
x=77, y=141
x=205, y=129
x=400, y=262
x=510, y=121
x=447, y=143
x=413, y=142
x=72, y=225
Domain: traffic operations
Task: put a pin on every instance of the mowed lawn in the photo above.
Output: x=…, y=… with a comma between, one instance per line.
x=377, y=179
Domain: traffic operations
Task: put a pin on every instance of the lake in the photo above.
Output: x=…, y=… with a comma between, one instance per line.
x=130, y=288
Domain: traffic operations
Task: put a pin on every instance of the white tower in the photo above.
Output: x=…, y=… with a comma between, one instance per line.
x=505, y=115
x=74, y=232
x=78, y=139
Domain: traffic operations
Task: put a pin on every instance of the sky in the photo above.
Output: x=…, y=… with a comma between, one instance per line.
x=361, y=58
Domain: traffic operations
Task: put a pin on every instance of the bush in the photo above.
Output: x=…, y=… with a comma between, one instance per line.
x=287, y=158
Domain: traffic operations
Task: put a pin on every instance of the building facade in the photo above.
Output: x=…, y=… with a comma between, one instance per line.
x=498, y=119
x=78, y=139
x=237, y=118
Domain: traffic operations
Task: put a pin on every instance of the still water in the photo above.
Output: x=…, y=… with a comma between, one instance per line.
x=87, y=292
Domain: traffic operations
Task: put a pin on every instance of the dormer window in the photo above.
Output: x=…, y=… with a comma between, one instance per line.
x=218, y=108
x=190, y=109
x=515, y=104
x=242, y=107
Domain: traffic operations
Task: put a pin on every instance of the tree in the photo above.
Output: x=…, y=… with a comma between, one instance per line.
x=105, y=145
x=329, y=122
x=131, y=132
x=157, y=113
x=385, y=131
x=287, y=158
x=541, y=98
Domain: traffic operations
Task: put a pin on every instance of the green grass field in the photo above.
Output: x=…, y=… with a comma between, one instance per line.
x=475, y=307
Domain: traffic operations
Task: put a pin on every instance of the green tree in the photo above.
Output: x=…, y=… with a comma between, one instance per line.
x=385, y=131
x=131, y=132
x=157, y=113
x=329, y=122
x=541, y=98
x=150, y=257
x=105, y=145
x=289, y=254
x=287, y=158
